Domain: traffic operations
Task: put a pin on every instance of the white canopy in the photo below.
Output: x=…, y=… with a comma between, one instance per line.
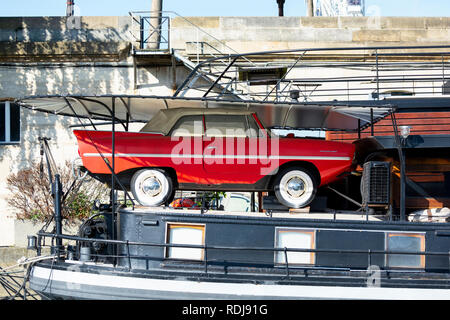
x=142, y=108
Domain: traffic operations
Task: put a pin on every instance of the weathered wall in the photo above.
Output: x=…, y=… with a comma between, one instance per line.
x=44, y=29
x=250, y=34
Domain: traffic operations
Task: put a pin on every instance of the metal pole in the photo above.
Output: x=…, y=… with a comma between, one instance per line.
x=359, y=128
x=371, y=122
x=378, y=75
x=155, y=25
x=252, y=202
x=57, y=193
x=113, y=194
x=142, y=35
x=401, y=159
x=280, y=7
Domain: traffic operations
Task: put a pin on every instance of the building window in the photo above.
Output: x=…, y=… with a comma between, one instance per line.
x=405, y=242
x=294, y=239
x=189, y=234
x=9, y=123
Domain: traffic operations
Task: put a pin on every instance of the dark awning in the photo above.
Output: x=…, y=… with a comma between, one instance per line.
x=327, y=116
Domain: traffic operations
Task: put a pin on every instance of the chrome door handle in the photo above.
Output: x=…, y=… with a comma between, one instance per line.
x=211, y=147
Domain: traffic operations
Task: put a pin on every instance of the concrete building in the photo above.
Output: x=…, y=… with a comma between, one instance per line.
x=107, y=55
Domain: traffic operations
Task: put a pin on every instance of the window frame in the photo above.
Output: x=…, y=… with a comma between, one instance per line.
x=312, y=255
x=7, y=124
x=420, y=235
x=198, y=226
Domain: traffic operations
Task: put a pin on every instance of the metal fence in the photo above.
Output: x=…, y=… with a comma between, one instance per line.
x=122, y=249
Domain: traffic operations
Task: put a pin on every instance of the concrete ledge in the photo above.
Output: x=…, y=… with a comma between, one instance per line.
x=249, y=34
x=201, y=22
x=61, y=29
x=23, y=228
x=63, y=50
x=10, y=255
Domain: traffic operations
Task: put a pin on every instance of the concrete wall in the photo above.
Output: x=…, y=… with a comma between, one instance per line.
x=250, y=34
x=81, y=29
x=66, y=39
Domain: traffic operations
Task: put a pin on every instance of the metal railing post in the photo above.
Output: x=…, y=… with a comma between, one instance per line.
x=378, y=79
x=57, y=193
x=287, y=262
x=206, y=259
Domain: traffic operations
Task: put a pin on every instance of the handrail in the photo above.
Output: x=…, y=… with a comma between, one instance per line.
x=373, y=58
x=375, y=68
x=189, y=22
x=284, y=250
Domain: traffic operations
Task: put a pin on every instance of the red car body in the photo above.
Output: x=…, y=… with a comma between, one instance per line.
x=201, y=162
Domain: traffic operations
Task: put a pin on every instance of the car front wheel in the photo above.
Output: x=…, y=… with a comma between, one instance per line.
x=151, y=187
x=295, y=187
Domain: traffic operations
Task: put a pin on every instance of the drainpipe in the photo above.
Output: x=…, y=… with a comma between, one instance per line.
x=309, y=8
x=280, y=7
x=155, y=25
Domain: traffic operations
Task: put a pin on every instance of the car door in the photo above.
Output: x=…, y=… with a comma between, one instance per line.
x=186, y=149
x=230, y=149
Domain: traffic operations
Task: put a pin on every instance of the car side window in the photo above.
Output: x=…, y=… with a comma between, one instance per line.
x=190, y=126
x=226, y=125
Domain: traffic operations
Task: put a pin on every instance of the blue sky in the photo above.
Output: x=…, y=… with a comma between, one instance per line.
x=214, y=8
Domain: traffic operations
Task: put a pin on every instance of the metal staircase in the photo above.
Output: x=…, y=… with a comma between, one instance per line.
x=338, y=75
x=211, y=74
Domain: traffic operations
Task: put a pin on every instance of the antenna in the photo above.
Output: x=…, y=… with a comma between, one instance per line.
x=70, y=8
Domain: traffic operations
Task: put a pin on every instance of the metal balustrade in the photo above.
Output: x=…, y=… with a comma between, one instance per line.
x=245, y=262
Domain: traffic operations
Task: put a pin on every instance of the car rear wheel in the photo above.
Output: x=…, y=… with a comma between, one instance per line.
x=151, y=187
x=295, y=187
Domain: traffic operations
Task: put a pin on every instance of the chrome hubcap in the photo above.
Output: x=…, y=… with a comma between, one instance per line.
x=151, y=186
x=295, y=187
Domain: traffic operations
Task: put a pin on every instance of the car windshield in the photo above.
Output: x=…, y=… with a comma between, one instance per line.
x=157, y=123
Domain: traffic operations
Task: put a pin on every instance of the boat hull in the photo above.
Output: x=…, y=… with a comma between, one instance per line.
x=98, y=283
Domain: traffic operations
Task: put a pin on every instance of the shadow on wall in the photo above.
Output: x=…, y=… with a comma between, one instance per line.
x=85, y=38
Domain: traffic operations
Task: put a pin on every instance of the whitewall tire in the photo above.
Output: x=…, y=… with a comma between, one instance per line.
x=151, y=187
x=295, y=187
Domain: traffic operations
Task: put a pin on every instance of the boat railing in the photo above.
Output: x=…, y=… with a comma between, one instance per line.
x=125, y=253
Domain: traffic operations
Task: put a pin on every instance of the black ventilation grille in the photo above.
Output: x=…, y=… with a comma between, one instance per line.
x=376, y=183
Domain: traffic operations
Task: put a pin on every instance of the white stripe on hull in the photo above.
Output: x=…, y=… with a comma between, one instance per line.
x=199, y=156
x=74, y=278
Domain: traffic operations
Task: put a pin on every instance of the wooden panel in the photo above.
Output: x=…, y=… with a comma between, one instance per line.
x=425, y=203
x=421, y=123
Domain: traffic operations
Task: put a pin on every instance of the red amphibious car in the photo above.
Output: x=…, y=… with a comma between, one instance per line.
x=214, y=149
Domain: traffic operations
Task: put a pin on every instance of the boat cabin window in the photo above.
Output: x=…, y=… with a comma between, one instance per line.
x=190, y=234
x=293, y=238
x=405, y=242
x=226, y=125
x=9, y=123
x=188, y=126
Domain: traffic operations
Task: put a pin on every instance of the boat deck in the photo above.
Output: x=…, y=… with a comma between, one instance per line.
x=336, y=215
